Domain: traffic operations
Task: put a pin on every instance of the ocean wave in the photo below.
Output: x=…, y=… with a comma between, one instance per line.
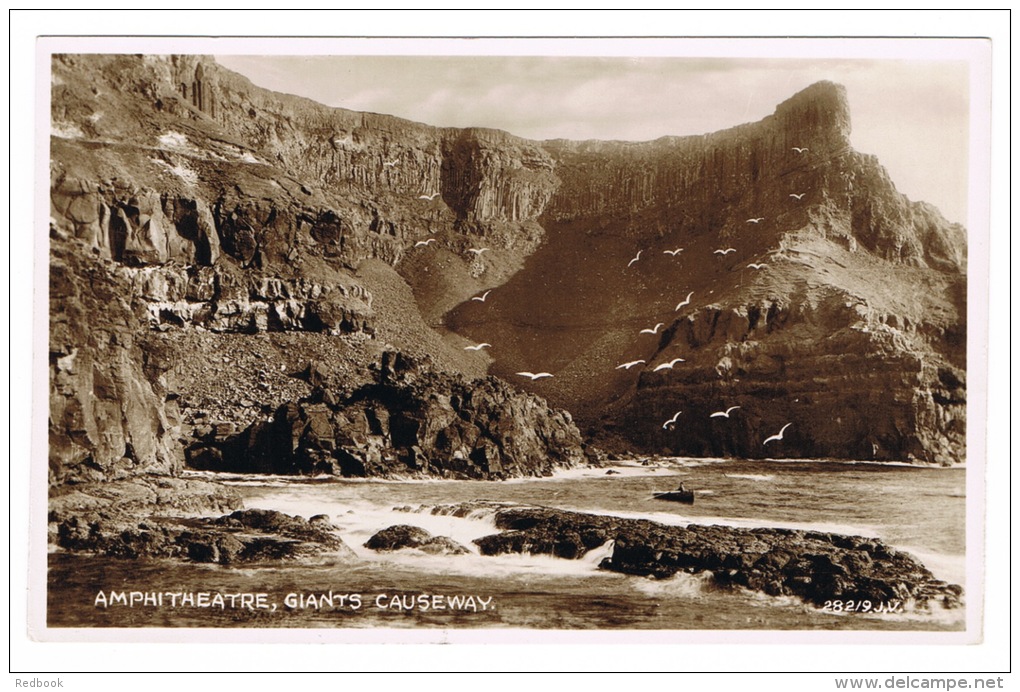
x=945, y=566
x=680, y=585
x=764, y=477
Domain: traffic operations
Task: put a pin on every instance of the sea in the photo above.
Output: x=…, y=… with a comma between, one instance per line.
x=917, y=509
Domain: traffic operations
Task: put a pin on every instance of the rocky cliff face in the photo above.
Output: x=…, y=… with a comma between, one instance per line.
x=192, y=210
x=408, y=422
x=787, y=273
x=110, y=413
x=214, y=207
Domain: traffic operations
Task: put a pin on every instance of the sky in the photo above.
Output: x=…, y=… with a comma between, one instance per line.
x=914, y=114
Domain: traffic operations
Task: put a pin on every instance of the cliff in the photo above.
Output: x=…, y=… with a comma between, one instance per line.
x=788, y=273
x=212, y=209
x=210, y=238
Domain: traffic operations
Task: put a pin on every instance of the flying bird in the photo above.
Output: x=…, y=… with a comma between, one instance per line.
x=420, y=243
x=672, y=420
x=796, y=196
x=394, y=162
x=686, y=301
x=654, y=330
x=724, y=252
x=478, y=347
x=757, y=265
x=535, y=375
x=628, y=366
x=724, y=414
x=477, y=251
x=778, y=436
x=757, y=219
x=800, y=150
x=429, y=197
x=636, y=258
x=673, y=253
x=669, y=365
x=483, y=296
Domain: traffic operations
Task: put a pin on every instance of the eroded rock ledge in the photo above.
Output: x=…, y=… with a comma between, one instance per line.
x=244, y=536
x=811, y=565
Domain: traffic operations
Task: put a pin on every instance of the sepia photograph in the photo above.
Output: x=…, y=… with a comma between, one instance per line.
x=483, y=341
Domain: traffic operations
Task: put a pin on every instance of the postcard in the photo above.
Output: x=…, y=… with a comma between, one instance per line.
x=512, y=340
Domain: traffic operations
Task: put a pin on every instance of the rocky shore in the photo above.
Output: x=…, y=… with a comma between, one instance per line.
x=811, y=565
x=814, y=566
x=168, y=518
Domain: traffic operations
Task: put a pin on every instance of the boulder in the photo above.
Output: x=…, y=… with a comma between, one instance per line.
x=403, y=536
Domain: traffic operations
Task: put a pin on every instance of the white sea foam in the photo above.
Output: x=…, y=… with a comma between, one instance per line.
x=680, y=585
x=359, y=520
x=764, y=477
x=950, y=568
x=269, y=480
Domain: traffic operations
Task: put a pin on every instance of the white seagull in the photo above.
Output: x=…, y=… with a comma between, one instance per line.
x=476, y=250
x=429, y=197
x=724, y=414
x=672, y=420
x=757, y=265
x=636, y=258
x=669, y=365
x=796, y=196
x=479, y=347
x=483, y=297
x=757, y=219
x=686, y=301
x=654, y=330
x=673, y=253
x=628, y=366
x=779, y=435
x=724, y=252
x=420, y=243
x=394, y=162
x=535, y=375
x=800, y=150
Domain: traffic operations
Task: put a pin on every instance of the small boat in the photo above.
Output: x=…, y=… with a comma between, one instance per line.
x=681, y=494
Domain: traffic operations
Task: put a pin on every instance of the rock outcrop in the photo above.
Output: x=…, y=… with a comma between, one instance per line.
x=403, y=536
x=110, y=414
x=811, y=565
x=139, y=496
x=409, y=422
x=245, y=536
x=218, y=300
